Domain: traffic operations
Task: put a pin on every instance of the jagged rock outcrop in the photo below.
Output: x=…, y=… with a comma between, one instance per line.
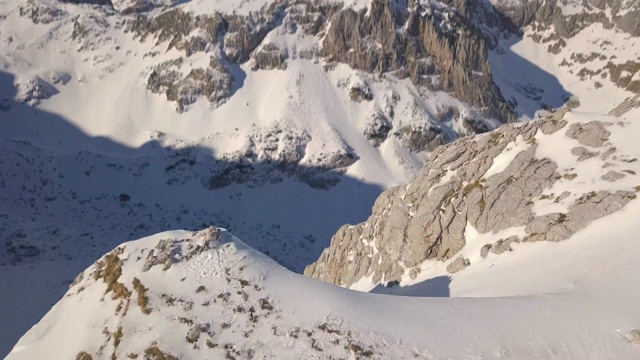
x=229, y=39
x=493, y=183
x=269, y=57
x=433, y=45
x=34, y=90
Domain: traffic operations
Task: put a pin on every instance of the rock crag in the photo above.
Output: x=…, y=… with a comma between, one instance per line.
x=490, y=183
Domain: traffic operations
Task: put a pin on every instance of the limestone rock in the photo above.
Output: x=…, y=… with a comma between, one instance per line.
x=458, y=264
x=626, y=106
x=484, y=251
x=35, y=90
x=426, y=220
x=591, y=134
x=582, y=153
x=612, y=176
x=433, y=45
x=269, y=57
x=504, y=245
x=377, y=128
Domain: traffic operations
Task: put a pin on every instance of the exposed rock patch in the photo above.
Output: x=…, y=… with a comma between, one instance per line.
x=458, y=264
x=591, y=134
x=626, y=106
x=612, y=176
x=582, y=153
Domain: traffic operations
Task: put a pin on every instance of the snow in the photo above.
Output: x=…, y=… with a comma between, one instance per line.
x=586, y=176
x=103, y=134
x=575, y=299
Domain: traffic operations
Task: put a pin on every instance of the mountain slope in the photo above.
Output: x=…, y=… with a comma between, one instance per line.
x=540, y=181
x=207, y=295
x=122, y=119
x=283, y=120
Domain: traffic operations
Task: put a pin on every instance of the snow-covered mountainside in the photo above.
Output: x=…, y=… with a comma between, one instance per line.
x=283, y=120
x=206, y=295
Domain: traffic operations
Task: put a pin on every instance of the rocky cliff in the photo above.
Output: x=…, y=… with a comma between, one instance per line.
x=434, y=44
x=539, y=181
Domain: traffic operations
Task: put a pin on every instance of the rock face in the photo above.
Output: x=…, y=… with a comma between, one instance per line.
x=492, y=183
x=438, y=46
x=229, y=39
x=433, y=45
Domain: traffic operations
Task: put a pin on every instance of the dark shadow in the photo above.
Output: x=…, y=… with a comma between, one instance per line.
x=239, y=77
x=524, y=85
x=435, y=287
x=67, y=198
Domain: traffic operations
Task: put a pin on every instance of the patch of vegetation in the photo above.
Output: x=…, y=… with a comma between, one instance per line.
x=359, y=350
x=482, y=204
x=230, y=352
x=224, y=296
x=315, y=346
x=82, y=355
x=117, y=336
x=472, y=186
x=561, y=218
x=495, y=138
x=590, y=195
x=110, y=270
x=143, y=299
x=325, y=327
x=153, y=352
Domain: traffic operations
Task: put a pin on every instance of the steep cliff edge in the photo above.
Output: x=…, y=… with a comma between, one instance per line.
x=540, y=181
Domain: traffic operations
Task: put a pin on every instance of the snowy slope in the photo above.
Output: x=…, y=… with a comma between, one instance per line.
x=90, y=157
x=79, y=129
x=216, y=297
